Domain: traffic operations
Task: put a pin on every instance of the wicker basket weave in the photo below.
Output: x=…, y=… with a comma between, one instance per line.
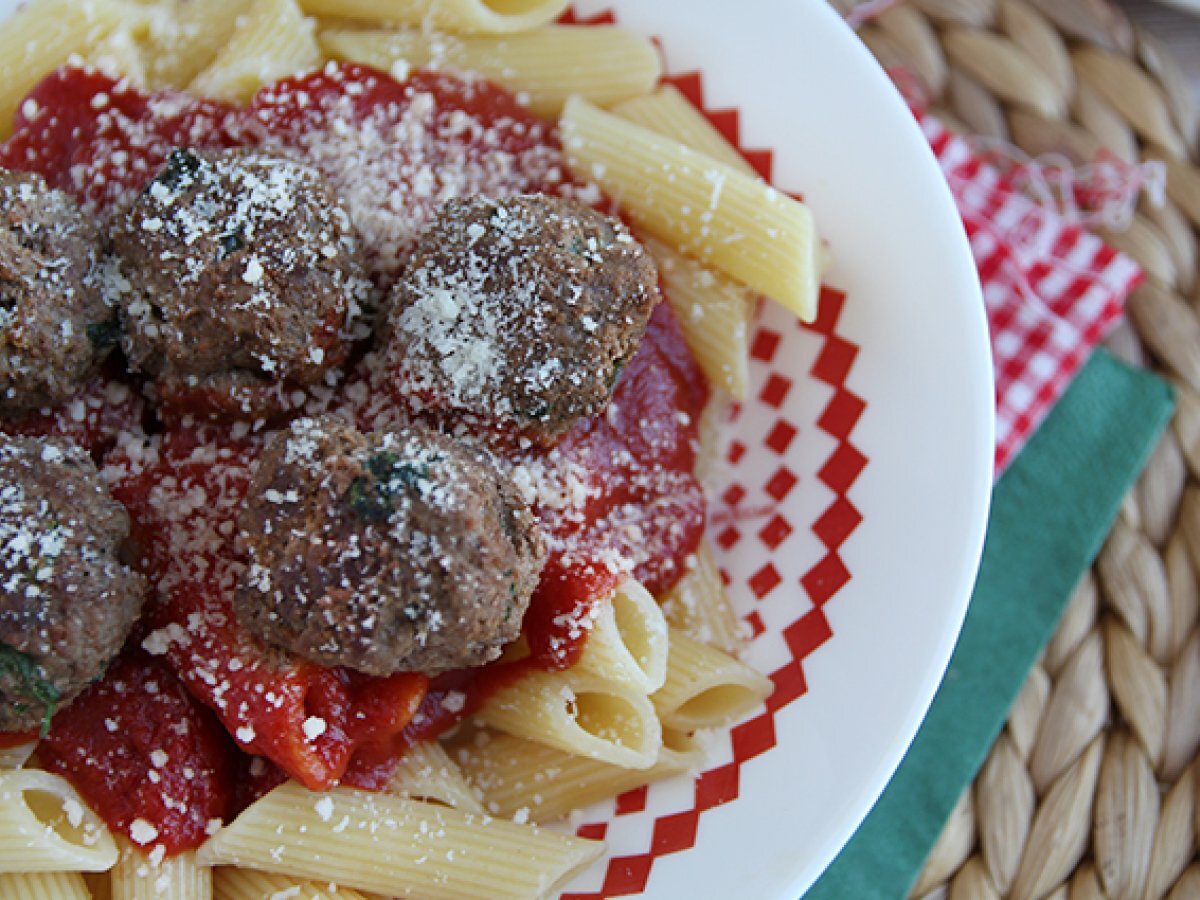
x=1091, y=789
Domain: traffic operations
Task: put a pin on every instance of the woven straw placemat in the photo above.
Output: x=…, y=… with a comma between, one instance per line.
x=1091, y=789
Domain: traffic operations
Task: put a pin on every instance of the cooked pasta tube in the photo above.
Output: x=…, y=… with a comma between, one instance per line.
x=120, y=54
x=272, y=41
x=428, y=773
x=699, y=607
x=520, y=778
x=714, y=312
x=603, y=63
x=39, y=37
x=465, y=16
x=16, y=757
x=100, y=885
x=46, y=827
x=723, y=217
x=628, y=641
x=581, y=713
x=247, y=884
x=706, y=687
x=183, y=38
x=710, y=458
x=667, y=112
x=44, y=886
x=391, y=845
x=137, y=876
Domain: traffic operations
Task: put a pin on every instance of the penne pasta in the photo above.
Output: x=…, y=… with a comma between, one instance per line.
x=628, y=640
x=706, y=687
x=137, y=876
x=520, y=778
x=247, y=884
x=273, y=40
x=699, y=607
x=45, y=826
x=100, y=885
x=183, y=38
x=453, y=820
x=391, y=845
x=44, y=886
x=428, y=773
x=710, y=458
x=120, y=54
x=667, y=112
x=714, y=312
x=464, y=16
x=723, y=217
x=41, y=36
x=581, y=713
x=16, y=757
x=605, y=64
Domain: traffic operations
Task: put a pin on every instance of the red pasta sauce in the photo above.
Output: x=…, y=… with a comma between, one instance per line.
x=153, y=761
x=394, y=150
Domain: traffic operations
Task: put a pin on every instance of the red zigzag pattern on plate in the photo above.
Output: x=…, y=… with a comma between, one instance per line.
x=628, y=875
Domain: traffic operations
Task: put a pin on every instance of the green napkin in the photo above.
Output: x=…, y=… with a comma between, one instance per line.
x=1050, y=513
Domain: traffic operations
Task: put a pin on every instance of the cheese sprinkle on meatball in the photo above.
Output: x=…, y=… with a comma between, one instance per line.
x=240, y=281
x=519, y=312
x=403, y=551
x=68, y=602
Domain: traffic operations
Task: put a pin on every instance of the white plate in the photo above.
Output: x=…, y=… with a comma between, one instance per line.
x=807, y=88
x=842, y=136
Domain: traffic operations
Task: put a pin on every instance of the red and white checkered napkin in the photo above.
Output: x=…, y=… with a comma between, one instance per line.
x=1052, y=290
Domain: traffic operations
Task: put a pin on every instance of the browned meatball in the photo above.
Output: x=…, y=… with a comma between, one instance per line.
x=55, y=328
x=390, y=552
x=520, y=310
x=67, y=603
x=239, y=280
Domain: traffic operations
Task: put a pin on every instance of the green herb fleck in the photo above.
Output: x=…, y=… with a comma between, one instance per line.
x=368, y=500
x=382, y=465
x=231, y=242
x=618, y=368
x=538, y=411
x=181, y=166
x=371, y=496
x=104, y=335
x=394, y=473
x=16, y=665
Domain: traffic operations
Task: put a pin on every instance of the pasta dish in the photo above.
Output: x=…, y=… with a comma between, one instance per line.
x=361, y=362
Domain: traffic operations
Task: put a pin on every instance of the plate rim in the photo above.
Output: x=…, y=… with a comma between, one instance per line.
x=963, y=274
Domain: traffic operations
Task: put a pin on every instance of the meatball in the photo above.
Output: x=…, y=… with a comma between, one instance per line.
x=55, y=328
x=68, y=602
x=521, y=311
x=239, y=279
x=402, y=551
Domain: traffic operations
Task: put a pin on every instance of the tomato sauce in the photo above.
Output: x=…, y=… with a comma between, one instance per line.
x=640, y=457
x=101, y=139
x=184, y=491
x=153, y=761
x=254, y=715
